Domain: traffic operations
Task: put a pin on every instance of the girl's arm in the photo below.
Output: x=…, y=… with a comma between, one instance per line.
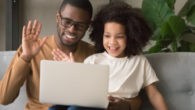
x=155, y=97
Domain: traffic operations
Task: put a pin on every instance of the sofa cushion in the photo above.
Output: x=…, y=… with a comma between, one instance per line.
x=5, y=59
x=176, y=72
x=19, y=103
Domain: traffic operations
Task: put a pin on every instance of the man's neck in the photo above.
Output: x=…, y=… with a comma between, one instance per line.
x=64, y=48
x=67, y=49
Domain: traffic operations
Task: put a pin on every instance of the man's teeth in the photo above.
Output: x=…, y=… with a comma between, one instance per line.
x=71, y=37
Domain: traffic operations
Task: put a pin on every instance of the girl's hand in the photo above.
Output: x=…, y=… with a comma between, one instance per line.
x=118, y=104
x=58, y=55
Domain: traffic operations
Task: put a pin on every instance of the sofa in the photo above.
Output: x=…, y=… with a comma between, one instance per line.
x=176, y=72
x=19, y=103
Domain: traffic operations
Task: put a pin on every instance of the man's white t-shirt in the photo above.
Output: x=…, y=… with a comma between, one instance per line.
x=127, y=75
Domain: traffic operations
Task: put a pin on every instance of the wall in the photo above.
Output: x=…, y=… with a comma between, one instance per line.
x=42, y=10
x=34, y=9
x=45, y=10
x=138, y=3
x=2, y=25
x=96, y=6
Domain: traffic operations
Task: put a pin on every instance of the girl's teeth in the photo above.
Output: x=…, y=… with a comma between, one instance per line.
x=112, y=48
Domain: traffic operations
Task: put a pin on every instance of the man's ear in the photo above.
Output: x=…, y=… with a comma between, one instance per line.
x=57, y=17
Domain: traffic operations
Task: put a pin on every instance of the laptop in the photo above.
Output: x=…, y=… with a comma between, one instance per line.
x=66, y=83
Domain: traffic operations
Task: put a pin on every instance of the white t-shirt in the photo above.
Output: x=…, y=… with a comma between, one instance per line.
x=127, y=75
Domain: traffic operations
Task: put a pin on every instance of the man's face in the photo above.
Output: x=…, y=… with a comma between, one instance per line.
x=72, y=25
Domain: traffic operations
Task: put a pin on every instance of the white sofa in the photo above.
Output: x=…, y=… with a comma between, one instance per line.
x=176, y=72
x=19, y=103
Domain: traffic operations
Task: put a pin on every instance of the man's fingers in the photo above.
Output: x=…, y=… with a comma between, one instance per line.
x=62, y=54
x=24, y=32
x=55, y=53
x=29, y=27
x=38, y=31
x=34, y=27
x=43, y=41
x=58, y=55
x=56, y=59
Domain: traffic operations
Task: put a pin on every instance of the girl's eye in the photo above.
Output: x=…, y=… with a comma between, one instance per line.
x=120, y=36
x=107, y=36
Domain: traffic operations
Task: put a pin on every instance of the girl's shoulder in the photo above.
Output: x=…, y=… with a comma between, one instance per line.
x=138, y=57
x=94, y=57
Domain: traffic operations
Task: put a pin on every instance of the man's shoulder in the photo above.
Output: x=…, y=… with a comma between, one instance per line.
x=49, y=38
x=87, y=47
x=86, y=44
x=50, y=42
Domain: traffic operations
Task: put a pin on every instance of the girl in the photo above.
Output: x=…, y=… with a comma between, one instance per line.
x=119, y=33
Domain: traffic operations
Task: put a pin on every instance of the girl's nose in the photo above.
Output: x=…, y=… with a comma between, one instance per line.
x=112, y=41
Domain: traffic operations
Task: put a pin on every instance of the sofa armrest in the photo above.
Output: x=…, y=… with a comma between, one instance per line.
x=19, y=103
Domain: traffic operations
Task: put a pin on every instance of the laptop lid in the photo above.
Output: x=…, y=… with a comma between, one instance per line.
x=79, y=84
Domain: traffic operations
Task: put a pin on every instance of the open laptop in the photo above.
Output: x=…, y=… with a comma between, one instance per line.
x=78, y=84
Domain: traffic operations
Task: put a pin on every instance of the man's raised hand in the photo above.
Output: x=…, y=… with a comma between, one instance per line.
x=31, y=45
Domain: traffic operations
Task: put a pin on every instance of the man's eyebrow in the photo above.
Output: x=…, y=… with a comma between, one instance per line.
x=81, y=22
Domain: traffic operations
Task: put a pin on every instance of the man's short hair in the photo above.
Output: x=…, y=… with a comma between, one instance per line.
x=83, y=4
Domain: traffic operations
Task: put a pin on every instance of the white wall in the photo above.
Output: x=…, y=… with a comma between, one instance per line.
x=2, y=25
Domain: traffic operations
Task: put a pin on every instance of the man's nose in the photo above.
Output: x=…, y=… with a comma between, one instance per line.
x=72, y=28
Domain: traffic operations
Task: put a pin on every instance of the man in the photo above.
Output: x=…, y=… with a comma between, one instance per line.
x=73, y=19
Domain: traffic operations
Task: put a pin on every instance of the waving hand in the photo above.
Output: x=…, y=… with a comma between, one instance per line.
x=30, y=43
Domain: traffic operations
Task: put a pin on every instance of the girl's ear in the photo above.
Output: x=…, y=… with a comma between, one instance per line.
x=57, y=17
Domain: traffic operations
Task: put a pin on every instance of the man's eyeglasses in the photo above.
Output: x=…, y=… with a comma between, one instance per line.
x=67, y=23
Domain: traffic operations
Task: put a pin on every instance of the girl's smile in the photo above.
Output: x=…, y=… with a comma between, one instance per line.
x=114, y=39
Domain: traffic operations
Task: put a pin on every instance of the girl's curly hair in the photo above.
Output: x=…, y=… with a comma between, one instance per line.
x=136, y=28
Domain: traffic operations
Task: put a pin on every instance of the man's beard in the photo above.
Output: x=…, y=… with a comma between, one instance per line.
x=66, y=44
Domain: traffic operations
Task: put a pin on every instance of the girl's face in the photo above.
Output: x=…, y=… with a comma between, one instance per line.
x=114, y=39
